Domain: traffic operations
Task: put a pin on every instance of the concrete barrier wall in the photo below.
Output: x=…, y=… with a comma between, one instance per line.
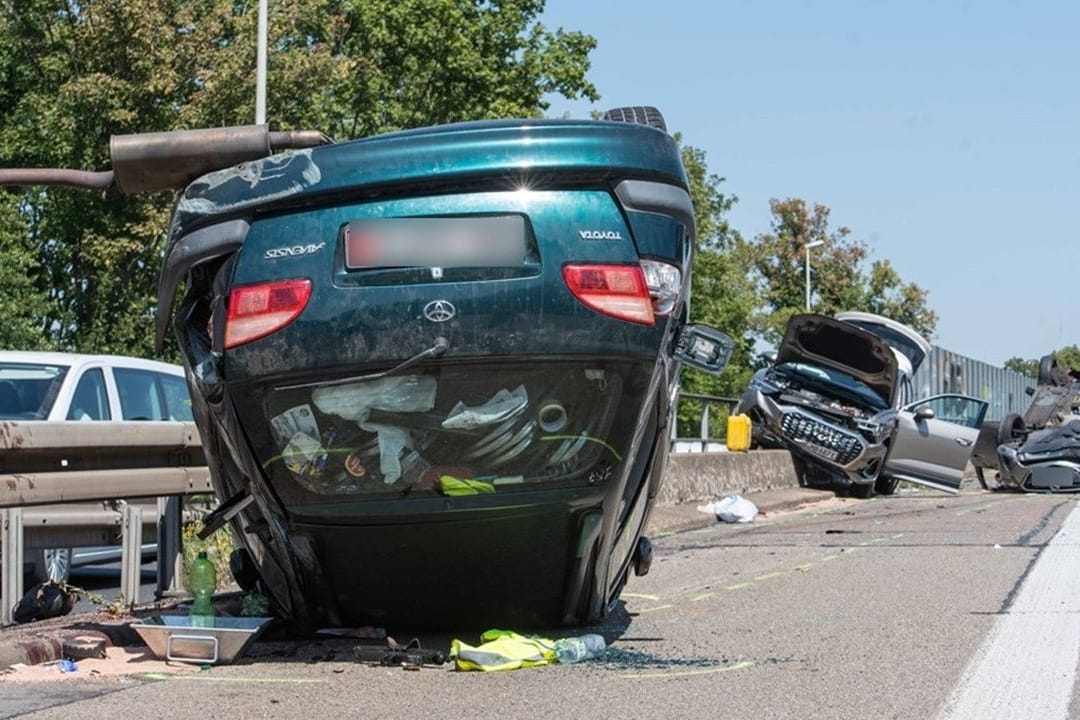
x=696, y=477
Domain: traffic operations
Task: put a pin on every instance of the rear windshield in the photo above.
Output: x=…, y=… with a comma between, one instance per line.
x=452, y=431
x=28, y=390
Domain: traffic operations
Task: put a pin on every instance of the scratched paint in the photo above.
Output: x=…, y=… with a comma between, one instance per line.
x=247, y=185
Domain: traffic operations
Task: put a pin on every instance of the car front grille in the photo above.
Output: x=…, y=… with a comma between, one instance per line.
x=820, y=438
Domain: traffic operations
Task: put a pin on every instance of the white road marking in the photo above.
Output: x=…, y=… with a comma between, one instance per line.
x=1028, y=663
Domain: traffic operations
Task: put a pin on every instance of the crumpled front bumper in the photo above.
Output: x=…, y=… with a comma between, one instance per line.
x=1052, y=474
x=813, y=438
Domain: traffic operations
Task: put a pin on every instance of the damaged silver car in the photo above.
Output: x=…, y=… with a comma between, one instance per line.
x=1039, y=451
x=838, y=396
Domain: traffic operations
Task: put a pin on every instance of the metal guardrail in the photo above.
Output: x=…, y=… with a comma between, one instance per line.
x=703, y=441
x=42, y=464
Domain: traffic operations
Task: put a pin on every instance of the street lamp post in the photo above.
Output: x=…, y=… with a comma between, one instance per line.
x=260, y=65
x=809, y=245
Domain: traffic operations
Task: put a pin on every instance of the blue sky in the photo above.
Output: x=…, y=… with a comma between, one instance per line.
x=945, y=134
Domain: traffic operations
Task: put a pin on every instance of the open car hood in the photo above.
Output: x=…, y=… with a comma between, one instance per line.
x=838, y=345
x=899, y=337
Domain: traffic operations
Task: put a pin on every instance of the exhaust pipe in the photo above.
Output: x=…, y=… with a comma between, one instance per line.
x=149, y=162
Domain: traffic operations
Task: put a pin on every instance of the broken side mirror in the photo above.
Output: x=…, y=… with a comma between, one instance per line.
x=924, y=413
x=704, y=348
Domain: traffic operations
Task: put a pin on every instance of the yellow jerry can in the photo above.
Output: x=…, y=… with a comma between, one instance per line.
x=738, y=433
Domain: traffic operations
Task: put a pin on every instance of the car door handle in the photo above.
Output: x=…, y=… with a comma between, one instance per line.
x=964, y=441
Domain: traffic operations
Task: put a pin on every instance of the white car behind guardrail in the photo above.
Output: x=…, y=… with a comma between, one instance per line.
x=69, y=387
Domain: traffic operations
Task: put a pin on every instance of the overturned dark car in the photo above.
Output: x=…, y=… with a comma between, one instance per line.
x=434, y=371
x=837, y=395
x=1038, y=451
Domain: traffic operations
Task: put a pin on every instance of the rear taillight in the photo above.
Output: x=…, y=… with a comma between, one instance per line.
x=664, y=282
x=616, y=290
x=255, y=311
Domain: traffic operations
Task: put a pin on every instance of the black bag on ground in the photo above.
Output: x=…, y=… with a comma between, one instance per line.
x=44, y=600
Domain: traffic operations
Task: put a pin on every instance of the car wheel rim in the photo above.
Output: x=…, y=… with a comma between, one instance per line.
x=57, y=563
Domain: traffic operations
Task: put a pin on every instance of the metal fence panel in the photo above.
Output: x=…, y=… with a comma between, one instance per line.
x=944, y=371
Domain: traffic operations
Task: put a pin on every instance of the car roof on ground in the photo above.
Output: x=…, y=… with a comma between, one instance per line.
x=72, y=359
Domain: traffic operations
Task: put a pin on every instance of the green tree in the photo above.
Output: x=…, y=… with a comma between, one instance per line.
x=1068, y=357
x=1025, y=367
x=72, y=74
x=721, y=294
x=839, y=278
x=22, y=305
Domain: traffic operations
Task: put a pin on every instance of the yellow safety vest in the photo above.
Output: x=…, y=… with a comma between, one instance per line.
x=451, y=485
x=502, y=650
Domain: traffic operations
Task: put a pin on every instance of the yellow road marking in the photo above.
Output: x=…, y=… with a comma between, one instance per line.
x=805, y=567
x=203, y=677
x=643, y=596
x=766, y=576
x=687, y=673
x=977, y=508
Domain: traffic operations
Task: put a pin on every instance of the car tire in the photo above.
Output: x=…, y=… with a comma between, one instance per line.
x=243, y=569
x=862, y=491
x=800, y=471
x=886, y=484
x=1011, y=428
x=1047, y=365
x=642, y=115
x=643, y=556
x=808, y=474
x=51, y=564
x=998, y=486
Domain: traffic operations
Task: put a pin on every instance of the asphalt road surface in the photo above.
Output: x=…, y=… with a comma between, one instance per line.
x=916, y=606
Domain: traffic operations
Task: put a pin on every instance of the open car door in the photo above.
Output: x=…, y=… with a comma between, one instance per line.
x=934, y=441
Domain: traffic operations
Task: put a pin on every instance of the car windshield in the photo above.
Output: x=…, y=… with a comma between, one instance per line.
x=835, y=383
x=28, y=390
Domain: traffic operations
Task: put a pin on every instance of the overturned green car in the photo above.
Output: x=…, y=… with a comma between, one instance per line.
x=434, y=371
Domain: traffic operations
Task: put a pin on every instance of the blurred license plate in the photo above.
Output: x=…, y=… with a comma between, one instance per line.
x=479, y=241
x=827, y=453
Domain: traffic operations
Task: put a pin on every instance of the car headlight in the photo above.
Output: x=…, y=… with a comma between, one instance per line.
x=878, y=428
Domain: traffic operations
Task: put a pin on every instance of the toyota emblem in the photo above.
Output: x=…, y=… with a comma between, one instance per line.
x=439, y=311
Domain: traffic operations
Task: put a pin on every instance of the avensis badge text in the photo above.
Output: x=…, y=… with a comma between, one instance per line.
x=293, y=251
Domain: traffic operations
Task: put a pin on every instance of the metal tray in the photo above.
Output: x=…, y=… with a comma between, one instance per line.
x=198, y=639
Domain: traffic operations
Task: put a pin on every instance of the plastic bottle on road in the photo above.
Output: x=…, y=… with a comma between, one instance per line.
x=203, y=585
x=576, y=649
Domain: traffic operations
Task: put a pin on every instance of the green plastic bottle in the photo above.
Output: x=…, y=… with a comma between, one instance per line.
x=203, y=585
